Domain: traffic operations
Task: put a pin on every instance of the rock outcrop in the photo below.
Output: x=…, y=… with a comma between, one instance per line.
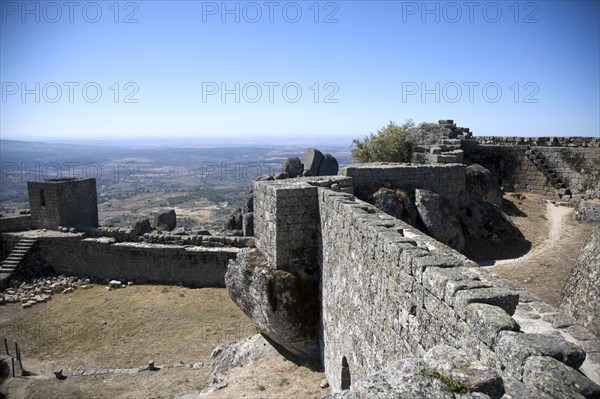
x=293, y=167
x=284, y=305
x=141, y=227
x=312, y=161
x=440, y=221
x=329, y=166
x=482, y=184
x=587, y=211
x=581, y=294
x=482, y=220
x=237, y=354
x=165, y=221
x=235, y=220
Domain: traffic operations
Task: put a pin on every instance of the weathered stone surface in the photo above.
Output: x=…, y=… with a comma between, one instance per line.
x=237, y=354
x=486, y=321
x=587, y=211
x=557, y=379
x=284, y=305
x=514, y=348
x=293, y=167
x=235, y=220
x=581, y=294
x=483, y=185
x=502, y=297
x=485, y=221
x=440, y=221
x=329, y=166
x=398, y=202
x=248, y=224
x=388, y=201
x=408, y=378
x=429, y=133
x=515, y=389
x=312, y=161
x=281, y=176
x=458, y=367
x=165, y=221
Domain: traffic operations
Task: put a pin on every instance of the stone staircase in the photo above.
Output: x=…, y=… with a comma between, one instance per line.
x=555, y=181
x=14, y=259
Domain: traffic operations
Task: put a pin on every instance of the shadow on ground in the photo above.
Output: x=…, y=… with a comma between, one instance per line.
x=486, y=253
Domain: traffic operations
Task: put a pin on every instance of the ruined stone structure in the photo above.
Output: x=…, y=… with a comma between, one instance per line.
x=566, y=166
x=388, y=292
x=63, y=202
x=104, y=259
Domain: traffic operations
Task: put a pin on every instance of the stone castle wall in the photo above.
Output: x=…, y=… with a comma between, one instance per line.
x=577, y=166
x=389, y=292
x=584, y=142
x=448, y=180
x=103, y=259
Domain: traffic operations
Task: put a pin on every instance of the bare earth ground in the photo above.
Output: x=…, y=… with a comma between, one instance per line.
x=98, y=329
x=556, y=239
x=125, y=328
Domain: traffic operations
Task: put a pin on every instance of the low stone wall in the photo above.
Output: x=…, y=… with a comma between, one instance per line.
x=389, y=292
x=593, y=142
x=15, y=223
x=447, y=180
x=102, y=258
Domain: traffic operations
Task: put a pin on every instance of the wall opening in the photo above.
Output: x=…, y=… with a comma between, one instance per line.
x=346, y=379
x=42, y=198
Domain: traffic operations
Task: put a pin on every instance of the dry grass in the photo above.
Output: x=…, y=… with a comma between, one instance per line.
x=95, y=328
x=99, y=329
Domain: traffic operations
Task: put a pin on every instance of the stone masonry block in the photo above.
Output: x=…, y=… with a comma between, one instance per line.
x=435, y=279
x=557, y=379
x=486, y=321
x=419, y=264
x=514, y=348
x=502, y=297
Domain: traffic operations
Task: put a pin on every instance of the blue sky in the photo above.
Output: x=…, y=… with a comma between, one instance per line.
x=500, y=68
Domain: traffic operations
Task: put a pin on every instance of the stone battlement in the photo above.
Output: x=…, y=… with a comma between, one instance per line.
x=389, y=292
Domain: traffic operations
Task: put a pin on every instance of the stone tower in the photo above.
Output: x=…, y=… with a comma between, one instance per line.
x=69, y=202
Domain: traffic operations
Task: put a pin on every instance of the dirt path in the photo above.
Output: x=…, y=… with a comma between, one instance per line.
x=557, y=239
x=555, y=215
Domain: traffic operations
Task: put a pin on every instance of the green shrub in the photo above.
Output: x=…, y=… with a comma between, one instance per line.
x=391, y=144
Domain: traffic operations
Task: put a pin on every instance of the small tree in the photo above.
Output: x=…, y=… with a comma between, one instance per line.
x=391, y=144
